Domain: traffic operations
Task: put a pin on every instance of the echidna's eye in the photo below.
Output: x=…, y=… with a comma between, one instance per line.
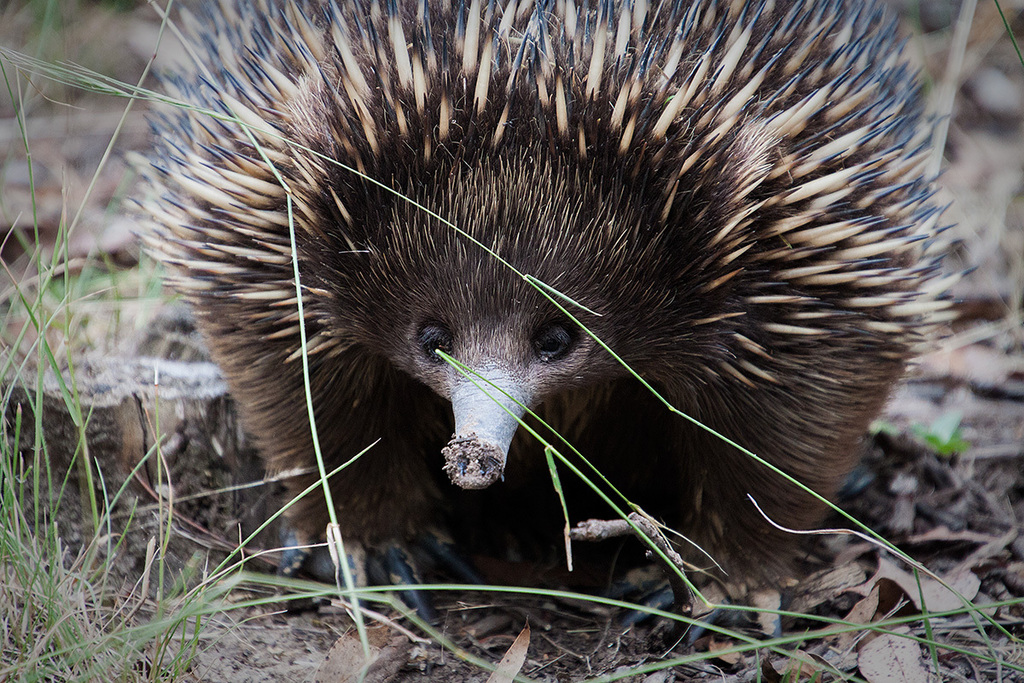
x=552, y=342
x=433, y=337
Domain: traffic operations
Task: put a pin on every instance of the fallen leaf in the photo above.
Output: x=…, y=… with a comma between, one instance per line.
x=944, y=534
x=767, y=599
x=862, y=613
x=768, y=672
x=936, y=596
x=826, y=585
x=801, y=666
x=890, y=658
x=974, y=362
x=345, y=661
x=513, y=661
x=720, y=650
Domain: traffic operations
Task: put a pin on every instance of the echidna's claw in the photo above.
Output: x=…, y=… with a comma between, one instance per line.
x=293, y=556
x=660, y=598
x=446, y=554
x=403, y=572
x=388, y=564
x=735, y=619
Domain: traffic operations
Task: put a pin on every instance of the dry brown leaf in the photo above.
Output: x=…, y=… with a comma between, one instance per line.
x=937, y=598
x=826, y=585
x=943, y=534
x=862, y=613
x=716, y=646
x=512, y=663
x=974, y=362
x=768, y=672
x=801, y=666
x=769, y=599
x=345, y=661
x=890, y=658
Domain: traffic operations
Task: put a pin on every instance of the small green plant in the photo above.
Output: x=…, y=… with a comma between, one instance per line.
x=943, y=435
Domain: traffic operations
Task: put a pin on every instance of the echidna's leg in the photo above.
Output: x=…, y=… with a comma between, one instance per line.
x=386, y=429
x=812, y=430
x=387, y=500
x=388, y=563
x=812, y=433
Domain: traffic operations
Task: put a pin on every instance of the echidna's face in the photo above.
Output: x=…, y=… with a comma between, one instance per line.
x=459, y=316
x=414, y=289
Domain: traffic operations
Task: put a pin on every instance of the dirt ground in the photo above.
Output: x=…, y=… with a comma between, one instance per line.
x=943, y=475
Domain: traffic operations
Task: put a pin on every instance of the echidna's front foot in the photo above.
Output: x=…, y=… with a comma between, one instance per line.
x=390, y=563
x=649, y=588
x=646, y=587
x=660, y=588
x=742, y=616
x=646, y=530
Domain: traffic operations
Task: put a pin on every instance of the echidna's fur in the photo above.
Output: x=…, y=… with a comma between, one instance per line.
x=735, y=189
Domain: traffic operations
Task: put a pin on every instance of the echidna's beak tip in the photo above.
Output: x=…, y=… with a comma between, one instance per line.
x=486, y=417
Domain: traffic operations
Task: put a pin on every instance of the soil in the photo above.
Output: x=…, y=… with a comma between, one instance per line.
x=942, y=479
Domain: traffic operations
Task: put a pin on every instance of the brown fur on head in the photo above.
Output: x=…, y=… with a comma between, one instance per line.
x=732, y=191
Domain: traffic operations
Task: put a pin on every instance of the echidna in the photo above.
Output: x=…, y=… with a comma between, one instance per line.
x=731, y=195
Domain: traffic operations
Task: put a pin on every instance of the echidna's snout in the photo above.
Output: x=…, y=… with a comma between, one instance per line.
x=487, y=409
x=514, y=364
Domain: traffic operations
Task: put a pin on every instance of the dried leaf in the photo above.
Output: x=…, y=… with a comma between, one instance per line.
x=513, y=661
x=890, y=658
x=974, y=362
x=802, y=666
x=345, y=661
x=862, y=613
x=826, y=585
x=937, y=598
x=721, y=650
x=768, y=599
